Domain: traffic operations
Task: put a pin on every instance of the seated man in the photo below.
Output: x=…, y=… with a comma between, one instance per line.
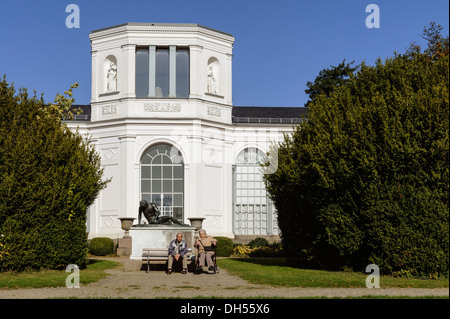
x=177, y=249
x=205, y=244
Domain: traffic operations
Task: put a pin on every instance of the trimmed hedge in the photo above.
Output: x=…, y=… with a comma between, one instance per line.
x=101, y=246
x=224, y=246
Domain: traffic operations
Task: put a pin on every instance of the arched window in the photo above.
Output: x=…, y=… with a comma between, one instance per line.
x=253, y=210
x=252, y=156
x=162, y=179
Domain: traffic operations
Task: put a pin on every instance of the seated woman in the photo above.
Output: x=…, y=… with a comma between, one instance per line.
x=205, y=244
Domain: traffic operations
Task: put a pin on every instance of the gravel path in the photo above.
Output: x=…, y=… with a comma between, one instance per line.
x=139, y=284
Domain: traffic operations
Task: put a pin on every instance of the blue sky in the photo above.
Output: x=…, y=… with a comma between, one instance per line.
x=280, y=45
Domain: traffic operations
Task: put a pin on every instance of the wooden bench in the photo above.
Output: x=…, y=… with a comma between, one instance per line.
x=161, y=254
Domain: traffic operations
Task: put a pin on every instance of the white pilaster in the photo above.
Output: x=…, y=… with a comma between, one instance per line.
x=195, y=53
x=229, y=84
x=128, y=188
x=129, y=70
x=95, y=72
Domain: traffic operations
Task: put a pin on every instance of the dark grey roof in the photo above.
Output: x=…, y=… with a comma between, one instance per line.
x=268, y=115
x=269, y=111
x=85, y=115
x=240, y=114
x=85, y=108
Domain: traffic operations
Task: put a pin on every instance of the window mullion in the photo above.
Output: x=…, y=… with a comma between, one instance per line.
x=172, y=71
x=151, y=70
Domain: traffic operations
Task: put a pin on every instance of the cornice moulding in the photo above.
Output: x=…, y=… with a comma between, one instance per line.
x=160, y=29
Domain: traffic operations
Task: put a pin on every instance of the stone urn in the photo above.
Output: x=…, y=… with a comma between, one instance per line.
x=197, y=223
x=127, y=222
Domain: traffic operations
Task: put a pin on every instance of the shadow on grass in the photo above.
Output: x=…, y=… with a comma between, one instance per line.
x=284, y=262
x=91, y=262
x=279, y=272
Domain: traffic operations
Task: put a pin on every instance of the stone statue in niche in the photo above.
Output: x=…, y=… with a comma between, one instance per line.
x=111, y=76
x=212, y=83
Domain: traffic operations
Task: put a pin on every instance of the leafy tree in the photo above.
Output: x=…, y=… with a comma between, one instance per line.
x=438, y=46
x=49, y=176
x=366, y=178
x=329, y=79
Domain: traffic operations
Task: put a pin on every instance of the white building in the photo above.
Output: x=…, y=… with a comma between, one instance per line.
x=162, y=119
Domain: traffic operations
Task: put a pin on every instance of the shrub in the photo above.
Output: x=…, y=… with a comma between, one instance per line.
x=101, y=246
x=258, y=242
x=276, y=245
x=272, y=250
x=241, y=250
x=49, y=176
x=224, y=246
x=365, y=179
x=266, y=252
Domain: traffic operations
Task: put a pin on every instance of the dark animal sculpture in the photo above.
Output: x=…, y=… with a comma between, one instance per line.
x=153, y=215
x=151, y=212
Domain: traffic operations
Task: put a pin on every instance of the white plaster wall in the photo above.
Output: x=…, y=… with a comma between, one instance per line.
x=121, y=41
x=209, y=150
x=123, y=127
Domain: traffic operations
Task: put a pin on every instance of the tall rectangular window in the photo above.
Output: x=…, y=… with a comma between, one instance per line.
x=142, y=72
x=162, y=72
x=155, y=72
x=182, y=72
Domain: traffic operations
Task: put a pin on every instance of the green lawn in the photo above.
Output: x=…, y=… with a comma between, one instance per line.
x=275, y=272
x=94, y=271
x=268, y=271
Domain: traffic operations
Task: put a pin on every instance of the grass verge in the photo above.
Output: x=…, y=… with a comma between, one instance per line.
x=94, y=271
x=276, y=272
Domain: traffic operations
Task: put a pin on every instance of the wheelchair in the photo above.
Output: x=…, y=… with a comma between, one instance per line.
x=214, y=269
